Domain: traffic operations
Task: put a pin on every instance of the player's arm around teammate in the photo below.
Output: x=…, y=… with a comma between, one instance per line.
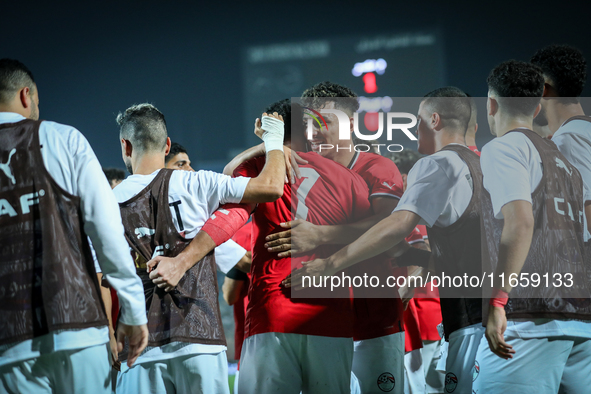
x=266, y=187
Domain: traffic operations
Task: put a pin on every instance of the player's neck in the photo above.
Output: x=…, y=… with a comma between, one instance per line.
x=446, y=138
x=148, y=163
x=344, y=156
x=557, y=113
x=506, y=124
x=471, y=139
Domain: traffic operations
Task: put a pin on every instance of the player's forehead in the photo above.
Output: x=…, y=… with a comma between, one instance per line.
x=181, y=157
x=309, y=112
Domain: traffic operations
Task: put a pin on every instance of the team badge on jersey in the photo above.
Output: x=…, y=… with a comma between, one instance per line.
x=475, y=370
x=386, y=382
x=451, y=382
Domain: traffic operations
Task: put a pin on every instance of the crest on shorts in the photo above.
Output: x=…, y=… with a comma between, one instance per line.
x=451, y=382
x=386, y=382
x=475, y=370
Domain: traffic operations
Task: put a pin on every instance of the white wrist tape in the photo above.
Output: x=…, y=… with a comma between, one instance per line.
x=273, y=133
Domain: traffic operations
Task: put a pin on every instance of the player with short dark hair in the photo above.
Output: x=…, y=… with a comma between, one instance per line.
x=565, y=73
x=186, y=345
x=539, y=332
x=292, y=344
x=178, y=158
x=114, y=175
x=53, y=196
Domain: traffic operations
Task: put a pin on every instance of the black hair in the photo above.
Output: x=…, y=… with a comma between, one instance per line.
x=283, y=108
x=144, y=126
x=318, y=95
x=114, y=174
x=566, y=69
x=452, y=105
x=14, y=76
x=175, y=149
x=518, y=86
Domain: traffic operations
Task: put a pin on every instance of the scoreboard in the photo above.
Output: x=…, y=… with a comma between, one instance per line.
x=381, y=69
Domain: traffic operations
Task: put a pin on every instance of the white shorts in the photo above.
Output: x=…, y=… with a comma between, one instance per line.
x=431, y=353
x=539, y=365
x=194, y=373
x=85, y=371
x=414, y=382
x=292, y=363
x=378, y=364
x=461, y=366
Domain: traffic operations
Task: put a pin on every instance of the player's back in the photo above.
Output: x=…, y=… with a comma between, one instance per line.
x=327, y=194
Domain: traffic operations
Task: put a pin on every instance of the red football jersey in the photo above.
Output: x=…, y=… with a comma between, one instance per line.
x=474, y=149
x=377, y=317
x=327, y=194
x=244, y=239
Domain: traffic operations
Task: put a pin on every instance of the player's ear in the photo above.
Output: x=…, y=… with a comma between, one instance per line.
x=126, y=147
x=492, y=105
x=25, y=97
x=436, y=123
x=538, y=109
x=168, y=143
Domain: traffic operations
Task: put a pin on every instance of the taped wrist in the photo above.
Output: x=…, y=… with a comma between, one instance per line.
x=224, y=222
x=273, y=133
x=414, y=256
x=499, y=298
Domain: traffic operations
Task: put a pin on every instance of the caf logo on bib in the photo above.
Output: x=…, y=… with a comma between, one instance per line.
x=475, y=370
x=386, y=382
x=451, y=382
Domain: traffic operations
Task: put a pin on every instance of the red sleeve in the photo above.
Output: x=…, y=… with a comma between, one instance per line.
x=382, y=177
x=249, y=168
x=226, y=221
x=415, y=236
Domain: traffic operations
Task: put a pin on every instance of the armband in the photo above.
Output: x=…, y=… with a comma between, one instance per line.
x=224, y=222
x=499, y=298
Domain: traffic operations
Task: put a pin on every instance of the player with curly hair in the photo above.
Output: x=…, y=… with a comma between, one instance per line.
x=565, y=73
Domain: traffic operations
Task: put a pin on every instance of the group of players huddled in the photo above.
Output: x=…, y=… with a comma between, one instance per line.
x=113, y=287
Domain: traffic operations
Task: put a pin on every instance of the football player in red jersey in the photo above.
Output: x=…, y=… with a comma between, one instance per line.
x=379, y=336
x=293, y=344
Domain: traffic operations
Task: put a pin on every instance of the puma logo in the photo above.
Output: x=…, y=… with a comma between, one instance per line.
x=388, y=186
x=560, y=164
x=6, y=167
x=144, y=232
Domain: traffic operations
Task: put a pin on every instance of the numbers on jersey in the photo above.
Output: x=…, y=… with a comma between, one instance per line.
x=310, y=177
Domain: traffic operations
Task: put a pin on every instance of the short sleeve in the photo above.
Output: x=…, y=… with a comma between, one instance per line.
x=216, y=189
x=505, y=172
x=428, y=191
x=383, y=179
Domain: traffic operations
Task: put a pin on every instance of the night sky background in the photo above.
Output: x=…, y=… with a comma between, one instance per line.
x=93, y=59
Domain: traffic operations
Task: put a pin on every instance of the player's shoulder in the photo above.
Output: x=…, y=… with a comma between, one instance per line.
x=58, y=133
x=576, y=126
x=373, y=160
x=509, y=144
